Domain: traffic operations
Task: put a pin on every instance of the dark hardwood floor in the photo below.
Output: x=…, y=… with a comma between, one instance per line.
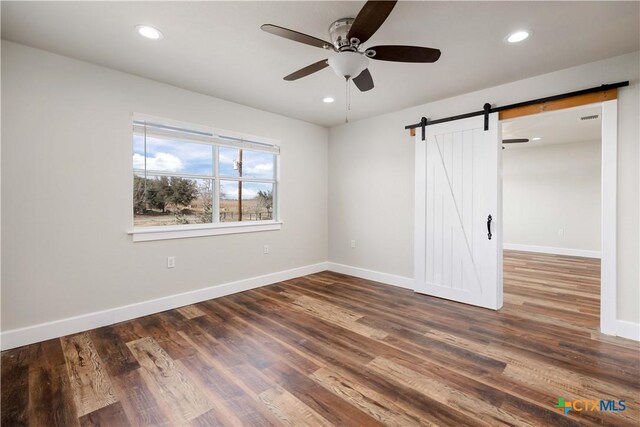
x=329, y=349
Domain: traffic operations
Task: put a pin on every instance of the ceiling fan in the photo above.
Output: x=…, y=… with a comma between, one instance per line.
x=515, y=141
x=349, y=59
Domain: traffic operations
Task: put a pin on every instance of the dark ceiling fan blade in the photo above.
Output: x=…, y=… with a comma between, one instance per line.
x=405, y=53
x=364, y=81
x=369, y=19
x=515, y=140
x=309, y=69
x=296, y=36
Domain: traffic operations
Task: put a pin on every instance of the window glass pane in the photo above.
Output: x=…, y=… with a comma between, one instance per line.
x=168, y=155
x=256, y=203
x=138, y=148
x=161, y=200
x=257, y=164
x=228, y=162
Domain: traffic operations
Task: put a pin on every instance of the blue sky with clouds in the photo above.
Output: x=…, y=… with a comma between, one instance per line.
x=167, y=155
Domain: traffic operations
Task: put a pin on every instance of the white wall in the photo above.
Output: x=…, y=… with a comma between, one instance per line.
x=67, y=188
x=371, y=173
x=552, y=187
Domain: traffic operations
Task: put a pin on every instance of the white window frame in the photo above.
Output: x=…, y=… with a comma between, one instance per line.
x=216, y=138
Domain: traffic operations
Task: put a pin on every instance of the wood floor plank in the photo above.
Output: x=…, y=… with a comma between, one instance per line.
x=523, y=367
x=272, y=330
x=190, y=311
x=168, y=376
x=319, y=399
x=15, y=389
x=228, y=400
x=312, y=334
x=330, y=349
x=334, y=314
x=114, y=353
x=238, y=384
x=458, y=399
x=48, y=388
x=290, y=410
x=377, y=405
x=51, y=400
x=108, y=416
x=163, y=328
x=138, y=402
x=90, y=381
x=208, y=419
x=576, y=389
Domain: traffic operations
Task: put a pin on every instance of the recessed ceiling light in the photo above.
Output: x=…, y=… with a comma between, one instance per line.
x=536, y=138
x=149, y=32
x=518, y=36
x=328, y=100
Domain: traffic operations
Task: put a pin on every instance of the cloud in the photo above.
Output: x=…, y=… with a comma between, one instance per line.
x=160, y=162
x=226, y=158
x=248, y=193
x=194, y=158
x=259, y=169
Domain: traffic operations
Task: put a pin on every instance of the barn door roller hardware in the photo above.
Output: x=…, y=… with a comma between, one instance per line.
x=520, y=109
x=423, y=125
x=487, y=111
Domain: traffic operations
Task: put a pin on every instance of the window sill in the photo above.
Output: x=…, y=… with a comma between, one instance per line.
x=146, y=234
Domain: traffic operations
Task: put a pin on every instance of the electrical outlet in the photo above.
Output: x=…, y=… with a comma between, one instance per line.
x=561, y=232
x=265, y=249
x=171, y=262
x=353, y=244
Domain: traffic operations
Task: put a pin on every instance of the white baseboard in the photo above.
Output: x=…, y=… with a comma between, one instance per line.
x=376, y=276
x=624, y=329
x=552, y=250
x=58, y=328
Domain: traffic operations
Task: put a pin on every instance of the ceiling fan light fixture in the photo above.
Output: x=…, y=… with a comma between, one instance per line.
x=518, y=36
x=149, y=32
x=327, y=100
x=348, y=64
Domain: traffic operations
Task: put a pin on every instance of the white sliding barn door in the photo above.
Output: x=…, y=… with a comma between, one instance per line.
x=458, y=185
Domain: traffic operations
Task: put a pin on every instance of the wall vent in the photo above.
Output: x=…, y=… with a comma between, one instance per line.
x=593, y=117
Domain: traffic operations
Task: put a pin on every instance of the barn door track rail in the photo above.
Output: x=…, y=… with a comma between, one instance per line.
x=550, y=103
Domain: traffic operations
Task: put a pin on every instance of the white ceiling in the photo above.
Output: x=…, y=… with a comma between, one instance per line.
x=217, y=48
x=558, y=127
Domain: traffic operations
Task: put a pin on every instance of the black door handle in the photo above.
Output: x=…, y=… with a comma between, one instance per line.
x=489, y=219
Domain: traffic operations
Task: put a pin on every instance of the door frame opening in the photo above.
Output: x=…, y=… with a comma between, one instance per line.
x=608, y=208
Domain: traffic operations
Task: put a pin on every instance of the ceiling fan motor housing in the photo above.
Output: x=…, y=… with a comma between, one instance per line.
x=338, y=31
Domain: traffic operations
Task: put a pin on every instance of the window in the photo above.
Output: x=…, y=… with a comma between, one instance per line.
x=192, y=178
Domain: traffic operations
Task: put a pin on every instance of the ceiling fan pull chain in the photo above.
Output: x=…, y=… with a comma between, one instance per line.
x=347, y=100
